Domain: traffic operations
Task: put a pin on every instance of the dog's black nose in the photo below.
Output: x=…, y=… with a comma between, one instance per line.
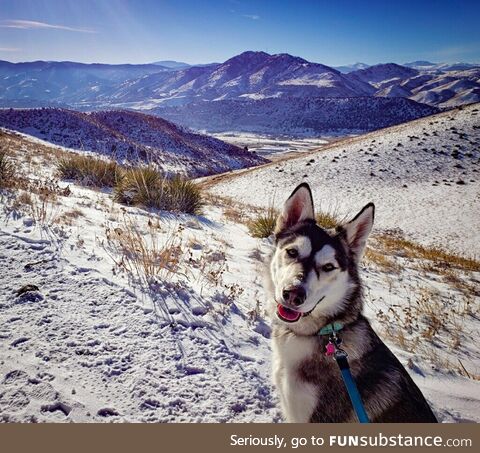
x=294, y=296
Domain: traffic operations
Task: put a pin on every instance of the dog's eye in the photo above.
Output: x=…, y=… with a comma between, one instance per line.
x=292, y=253
x=328, y=267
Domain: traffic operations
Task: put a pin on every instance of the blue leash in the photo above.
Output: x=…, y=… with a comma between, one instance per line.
x=341, y=358
x=353, y=393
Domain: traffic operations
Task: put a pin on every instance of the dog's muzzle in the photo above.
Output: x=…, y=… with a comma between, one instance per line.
x=289, y=314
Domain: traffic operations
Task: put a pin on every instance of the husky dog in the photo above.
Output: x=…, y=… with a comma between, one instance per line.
x=314, y=280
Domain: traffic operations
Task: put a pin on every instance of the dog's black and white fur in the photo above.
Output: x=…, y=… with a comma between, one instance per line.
x=314, y=280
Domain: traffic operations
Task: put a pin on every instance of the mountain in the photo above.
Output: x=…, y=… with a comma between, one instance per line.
x=352, y=67
x=441, y=88
x=178, y=92
x=296, y=116
x=131, y=136
x=65, y=82
x=429, y=66
x=254, y=75
x=170, y=64
x=381, y=73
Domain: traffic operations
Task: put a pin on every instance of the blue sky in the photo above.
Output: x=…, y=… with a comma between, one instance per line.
x=332, y=32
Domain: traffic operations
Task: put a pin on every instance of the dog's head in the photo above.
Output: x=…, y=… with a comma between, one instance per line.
x=313, y=271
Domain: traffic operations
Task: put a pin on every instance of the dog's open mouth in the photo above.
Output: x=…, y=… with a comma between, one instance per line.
x=287, y=314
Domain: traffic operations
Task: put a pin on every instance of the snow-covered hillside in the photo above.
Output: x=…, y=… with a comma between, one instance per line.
x=424, y=177
x=65, y=81
x=131, y=136
x=440, y=85
x=104, y=334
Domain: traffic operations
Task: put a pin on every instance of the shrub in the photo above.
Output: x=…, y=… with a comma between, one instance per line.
x=142, y=186
x=184, y=195
x=88, y=170
x=145, y=186
x=263, y=225
x=7, y=169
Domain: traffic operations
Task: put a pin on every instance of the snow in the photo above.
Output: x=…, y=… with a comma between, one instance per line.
x=411, y=172
x=92, y=344
x=272, y=147
x=96, y=343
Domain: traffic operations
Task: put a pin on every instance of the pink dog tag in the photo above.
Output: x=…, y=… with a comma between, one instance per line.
x=330, y=349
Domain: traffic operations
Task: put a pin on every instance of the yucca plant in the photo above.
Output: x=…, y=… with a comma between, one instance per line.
x=184, y=195
x=89, y=170
x=145, y=186
x=141, y=186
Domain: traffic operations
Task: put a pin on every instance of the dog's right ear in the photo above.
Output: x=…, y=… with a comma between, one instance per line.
x=297, y=208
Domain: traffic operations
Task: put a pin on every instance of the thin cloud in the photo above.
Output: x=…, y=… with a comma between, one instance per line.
x=35, y=25
x=251, y=16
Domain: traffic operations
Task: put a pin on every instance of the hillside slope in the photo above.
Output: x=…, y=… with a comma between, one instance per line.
x=130, y=136
x=93, y=329
x=297, y=116
x=423, y=177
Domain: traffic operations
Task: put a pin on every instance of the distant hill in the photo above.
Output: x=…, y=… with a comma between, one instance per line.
x=131, y=136
x=351, y=67
x=172, y=64
x=297, y=116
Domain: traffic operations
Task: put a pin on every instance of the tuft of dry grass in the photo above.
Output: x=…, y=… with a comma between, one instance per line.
x=263, y=224
x=432, y=326
x=142, y=186
x=140, y=251
x=145, y=186
x=88, y=171
x=441, y=259
x=7, y=170
x=330, y=218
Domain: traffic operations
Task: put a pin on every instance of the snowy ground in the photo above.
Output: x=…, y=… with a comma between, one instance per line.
x=272, y=147
x=95, y=342
x=423, y=176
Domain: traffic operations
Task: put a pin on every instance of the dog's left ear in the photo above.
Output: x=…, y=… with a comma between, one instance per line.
x=357, y=230
x=297, y=208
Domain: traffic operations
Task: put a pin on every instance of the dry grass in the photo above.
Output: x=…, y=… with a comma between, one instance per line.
x=68, y=217
x=440, y=259
x=183, y=195
x=7, y=169
x=88, y=171
x=235, y=215
x=141, y=252
x=38, y=199
x=263, y=225
x=145, y=186
x=330, y=218
x=381, y=260
x=432, y=326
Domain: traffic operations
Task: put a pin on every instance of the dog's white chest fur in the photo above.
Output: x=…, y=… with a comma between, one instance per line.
x=297, y=397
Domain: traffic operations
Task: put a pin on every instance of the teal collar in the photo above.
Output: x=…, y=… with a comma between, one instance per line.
x=333, y=327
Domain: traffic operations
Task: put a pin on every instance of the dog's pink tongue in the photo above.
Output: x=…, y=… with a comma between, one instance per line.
x=286, y=313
